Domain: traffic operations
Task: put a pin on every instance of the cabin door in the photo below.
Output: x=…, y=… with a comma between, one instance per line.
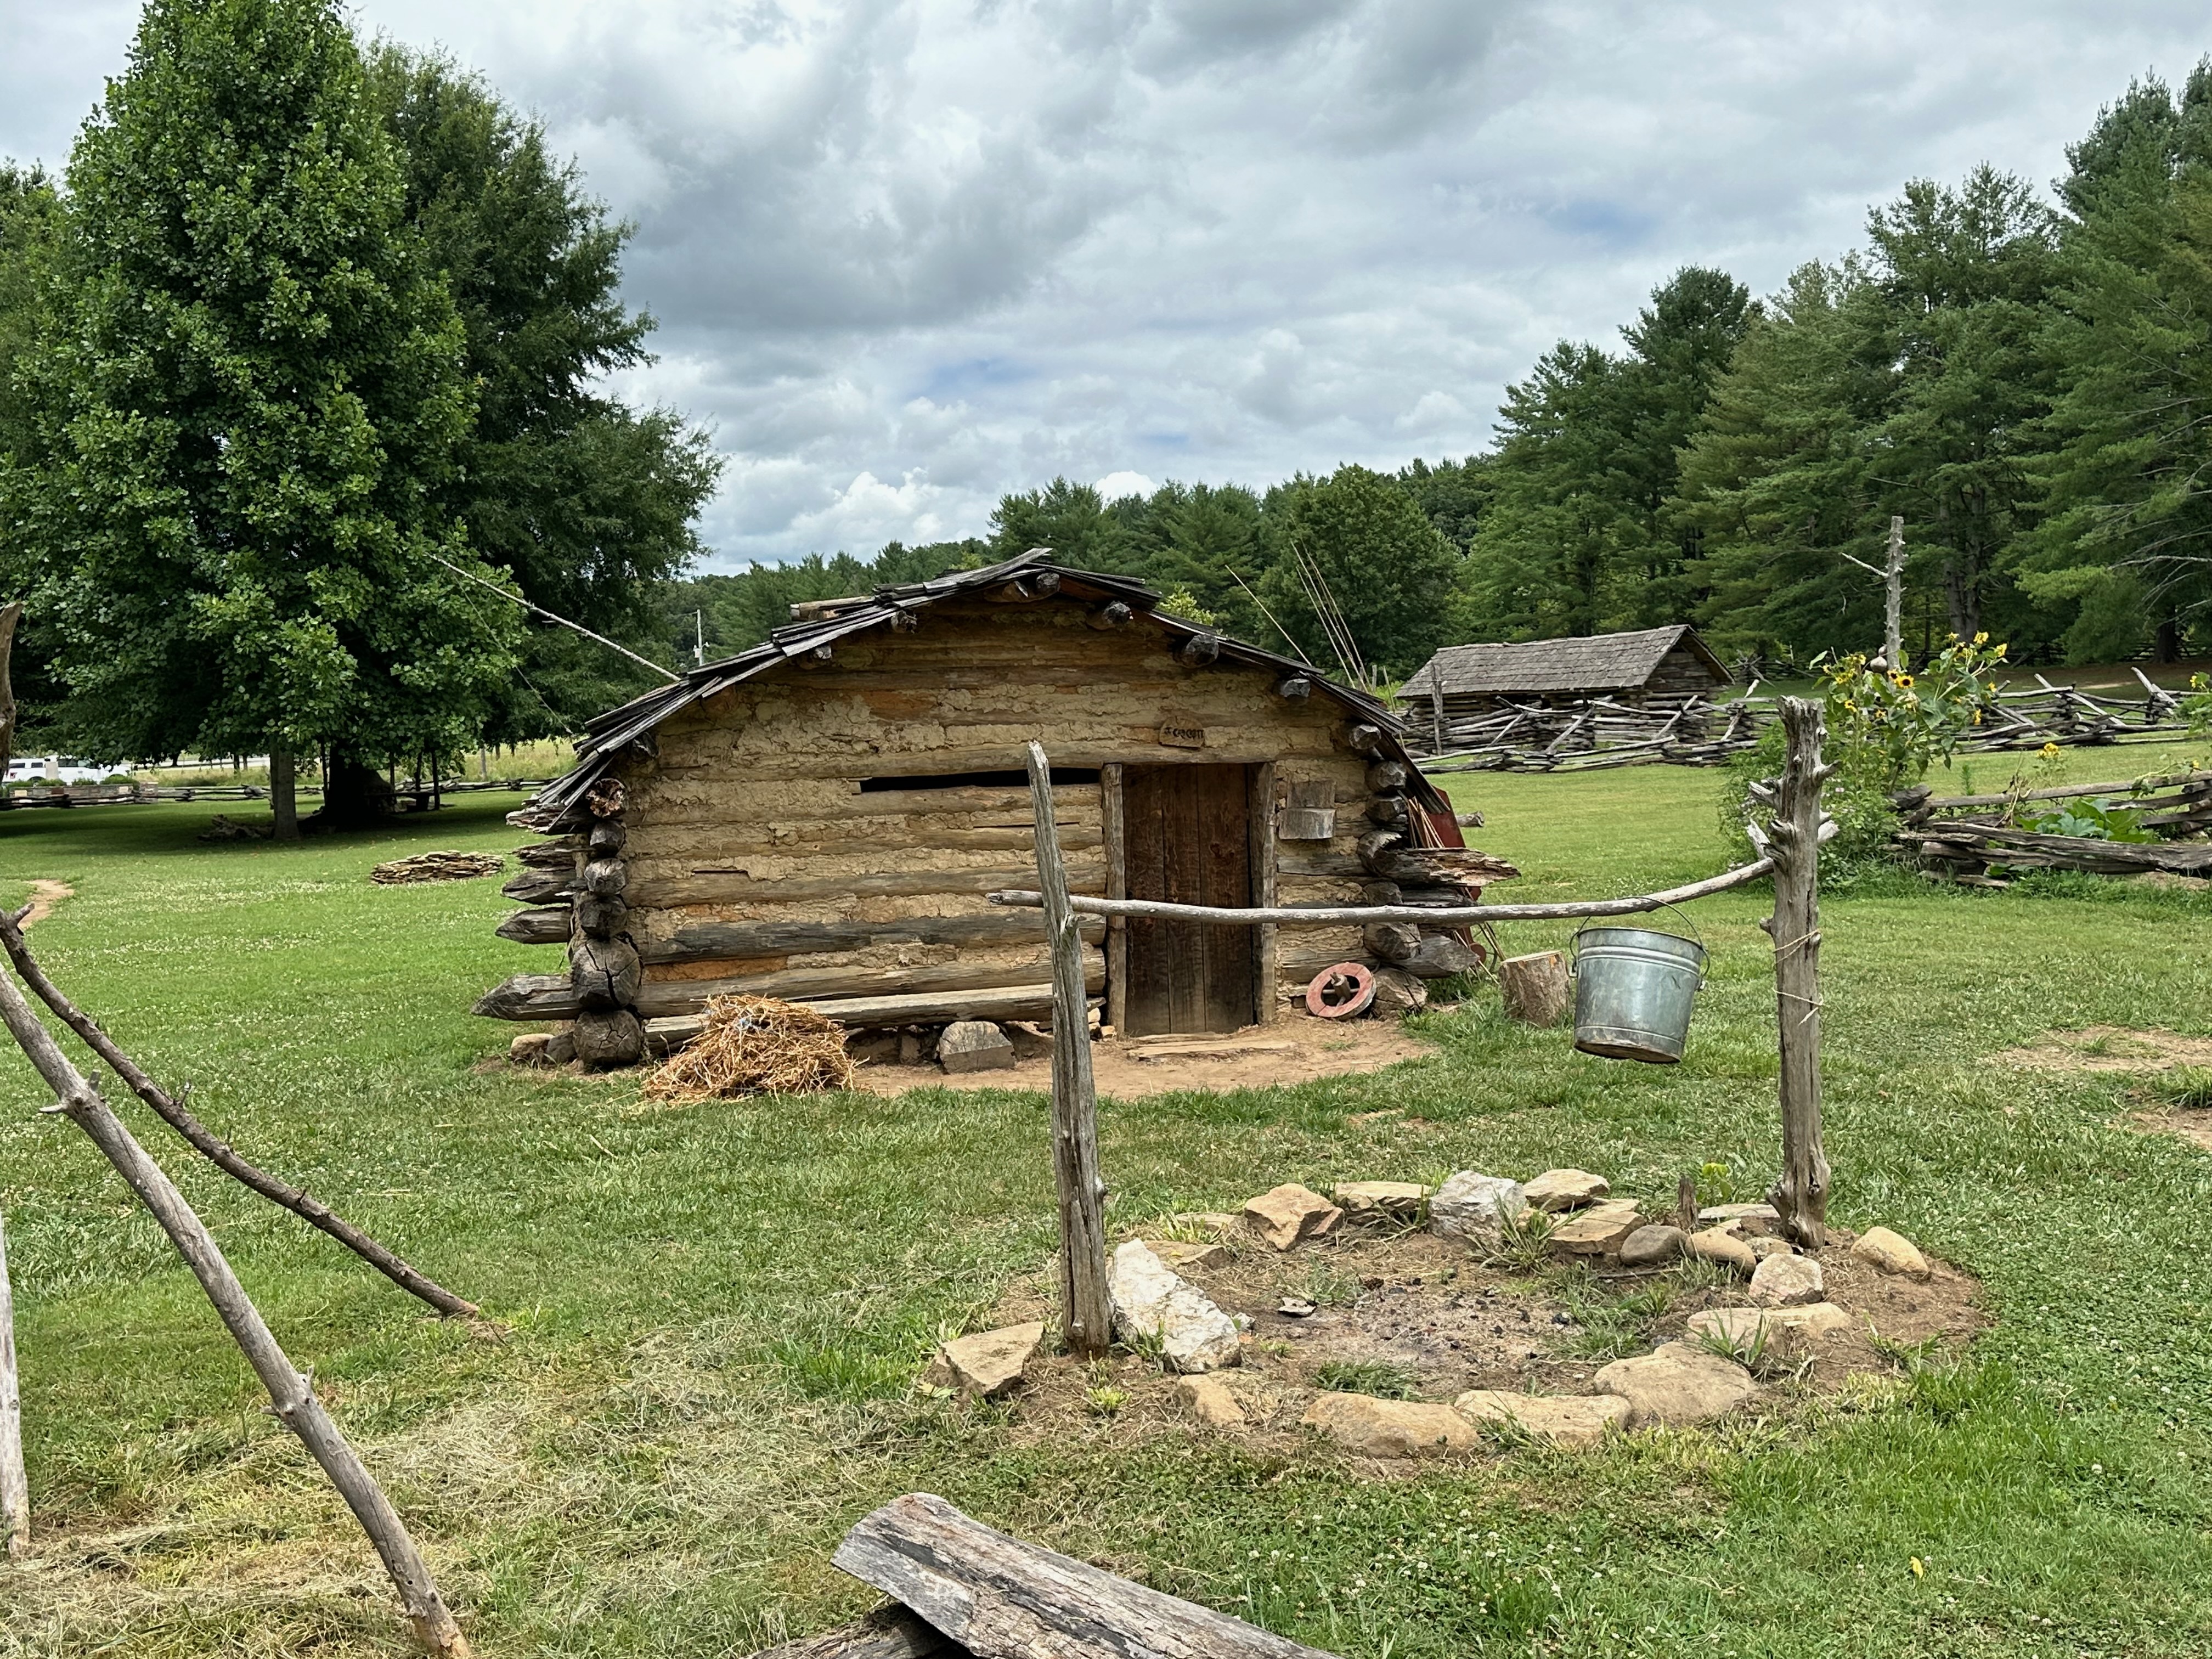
x=1187, y=840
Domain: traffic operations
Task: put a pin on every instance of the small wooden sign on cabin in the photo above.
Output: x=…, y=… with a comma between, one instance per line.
x=798, y=814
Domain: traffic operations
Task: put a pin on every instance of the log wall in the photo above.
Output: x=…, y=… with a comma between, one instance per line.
x=814, y=834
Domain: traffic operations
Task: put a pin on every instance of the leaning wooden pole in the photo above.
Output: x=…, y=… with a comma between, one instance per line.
x=1802, y=1194
x=218, y=1152
x=1086, y=1316
x=15, y=1480
x=290, y=1392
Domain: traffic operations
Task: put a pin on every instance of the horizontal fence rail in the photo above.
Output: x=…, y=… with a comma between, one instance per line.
x=1593, y=732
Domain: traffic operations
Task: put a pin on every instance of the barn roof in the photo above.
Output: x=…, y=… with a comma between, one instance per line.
x=1602, y=662
x=609, y=733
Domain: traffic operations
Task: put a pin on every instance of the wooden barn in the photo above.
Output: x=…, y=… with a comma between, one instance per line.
x=1650, y=667
x=819, y=818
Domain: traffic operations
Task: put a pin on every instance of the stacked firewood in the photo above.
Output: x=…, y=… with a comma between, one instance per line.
x=1404, y=867
x=1978, y=839
x=435, y=866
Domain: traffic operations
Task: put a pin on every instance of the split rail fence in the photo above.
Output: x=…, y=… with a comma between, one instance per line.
x=1978, y=839
x=1595, y=733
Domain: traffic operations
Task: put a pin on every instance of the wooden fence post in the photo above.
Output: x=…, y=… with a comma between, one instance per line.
x=1802, y=1194
x=290, y=1394
x=1085, y=1314
x=14, y=1482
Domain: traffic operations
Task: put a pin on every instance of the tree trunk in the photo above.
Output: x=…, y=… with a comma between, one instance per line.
x=1892, y=609
x=284, y=795
x=9, y=615
x=1962, y=595
x=1802, y=1194
x=1086, y=1313
x=354, y=796
x=2168, y=647
x=289, y=1391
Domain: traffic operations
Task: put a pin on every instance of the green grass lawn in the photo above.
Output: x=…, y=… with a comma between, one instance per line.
x=712, y=1315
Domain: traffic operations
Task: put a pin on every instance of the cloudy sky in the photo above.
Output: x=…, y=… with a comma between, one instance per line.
x=909, y=254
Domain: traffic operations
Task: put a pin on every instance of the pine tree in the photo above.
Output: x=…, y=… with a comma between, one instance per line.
x=1544, y=553
x=1070, y=519
x=246, y=409
x=1963, y=278
x=1778, y=480
x=2124, y=550
x=1576, y=538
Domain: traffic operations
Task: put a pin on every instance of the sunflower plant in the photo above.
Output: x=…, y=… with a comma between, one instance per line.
x=1886, y=725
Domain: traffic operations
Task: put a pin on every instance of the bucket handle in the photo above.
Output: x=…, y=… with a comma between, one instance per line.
x=1696, y=934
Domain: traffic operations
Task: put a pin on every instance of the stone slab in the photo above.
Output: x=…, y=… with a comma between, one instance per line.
x=1556, y=1420
x=1677, y=1385
x=1599, y=1231
x=1283, y=1215
x=1370, y=1427
x=1566, y=1189
x=988, y=1363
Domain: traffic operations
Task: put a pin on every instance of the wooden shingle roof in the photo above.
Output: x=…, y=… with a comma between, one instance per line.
x=609, y=734
x=1598, y=664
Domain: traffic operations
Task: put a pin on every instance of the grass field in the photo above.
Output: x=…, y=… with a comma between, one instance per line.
x=712, y=1315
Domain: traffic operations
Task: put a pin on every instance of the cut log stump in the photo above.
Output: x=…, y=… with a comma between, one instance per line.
x=1005, y=1599
x=1535, y=987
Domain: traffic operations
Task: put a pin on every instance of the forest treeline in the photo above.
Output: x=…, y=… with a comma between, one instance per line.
x=2024, y=381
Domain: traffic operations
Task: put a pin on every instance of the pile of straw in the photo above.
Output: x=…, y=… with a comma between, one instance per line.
x=753, y=1046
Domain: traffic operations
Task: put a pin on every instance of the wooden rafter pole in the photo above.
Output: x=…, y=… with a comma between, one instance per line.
x=1086, y=1316
x=1333, y=915
x=291, y=1395
x=15, y=1480
x=1801, y=1193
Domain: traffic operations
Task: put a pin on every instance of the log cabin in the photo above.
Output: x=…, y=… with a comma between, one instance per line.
x=820, y=817
x=1650, y=668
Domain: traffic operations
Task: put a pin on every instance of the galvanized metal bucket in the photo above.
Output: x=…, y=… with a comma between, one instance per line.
x=1633, y=992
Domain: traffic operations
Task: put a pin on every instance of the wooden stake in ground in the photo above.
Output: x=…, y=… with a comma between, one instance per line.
x=1086, y=1317
x=197, y=1135
x=290, y=1394
x=1802, y=1194
x=14, y=1482
x=1892, y=572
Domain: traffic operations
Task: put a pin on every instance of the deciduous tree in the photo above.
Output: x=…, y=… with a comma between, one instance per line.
x=246, y=412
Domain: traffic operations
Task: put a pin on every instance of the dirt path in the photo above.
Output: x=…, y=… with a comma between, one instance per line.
x=1295, y=1049
x=45, y=894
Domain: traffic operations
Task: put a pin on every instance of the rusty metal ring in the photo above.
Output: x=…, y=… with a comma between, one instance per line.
x=1363, y=992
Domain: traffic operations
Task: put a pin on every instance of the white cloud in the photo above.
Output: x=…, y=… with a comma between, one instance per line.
x=970, y=245
x=1115, y=485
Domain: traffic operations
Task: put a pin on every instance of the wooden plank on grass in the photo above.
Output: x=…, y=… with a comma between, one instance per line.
x=1006, y=1599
